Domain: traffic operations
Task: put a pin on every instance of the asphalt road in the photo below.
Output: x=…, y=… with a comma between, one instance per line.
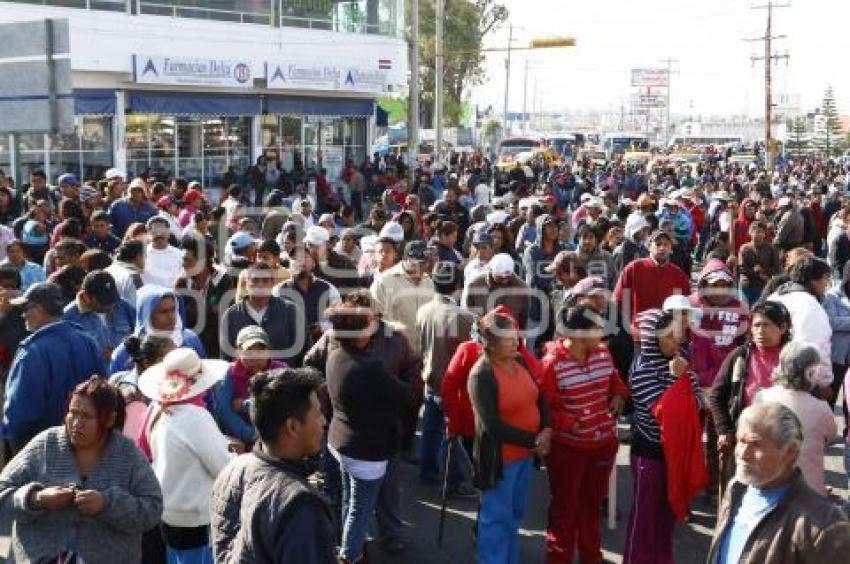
x=421, y=511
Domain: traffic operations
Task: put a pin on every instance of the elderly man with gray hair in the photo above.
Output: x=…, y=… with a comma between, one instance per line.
x=769, y=513
x=793, y=380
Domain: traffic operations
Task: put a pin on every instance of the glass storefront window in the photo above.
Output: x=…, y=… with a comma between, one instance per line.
x=321, y=142
x=199, y=149
x=6, y=154
x=242, y=11
x=282, y=136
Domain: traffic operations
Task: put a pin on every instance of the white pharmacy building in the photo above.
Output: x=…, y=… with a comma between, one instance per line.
x=197, y=88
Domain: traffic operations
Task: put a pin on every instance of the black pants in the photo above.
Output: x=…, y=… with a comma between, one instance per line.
x=838, y=373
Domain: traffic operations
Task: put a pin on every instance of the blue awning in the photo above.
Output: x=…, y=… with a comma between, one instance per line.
x=191, y=104
x=382, y=117
x=94, y=102
x=331, y=107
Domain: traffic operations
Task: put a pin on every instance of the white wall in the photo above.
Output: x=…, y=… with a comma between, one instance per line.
x=102, y=43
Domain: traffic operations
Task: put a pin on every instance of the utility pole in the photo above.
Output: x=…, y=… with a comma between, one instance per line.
x=769, y=58
x=667, y=132
x=508, y=78
x=413, y=112
x=438, y=76
x=525, y=119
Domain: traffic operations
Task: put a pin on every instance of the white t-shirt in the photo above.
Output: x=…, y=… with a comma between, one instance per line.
x=482, y=195
x=360, y=469
x=163, y=266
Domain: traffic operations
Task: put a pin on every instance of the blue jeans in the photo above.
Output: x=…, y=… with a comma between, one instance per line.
x=332, y=485
x=201, y=555
x=502, y=510
x=432, y=447
x=359, y=498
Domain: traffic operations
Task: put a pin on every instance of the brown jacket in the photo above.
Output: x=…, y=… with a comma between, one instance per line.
x=516, y=296
x=804, y=527
x=442, y=326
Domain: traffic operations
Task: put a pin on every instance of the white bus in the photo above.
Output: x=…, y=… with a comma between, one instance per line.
x=616, y=144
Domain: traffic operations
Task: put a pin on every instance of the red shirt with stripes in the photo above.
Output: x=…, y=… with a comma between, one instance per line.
x=579, y=395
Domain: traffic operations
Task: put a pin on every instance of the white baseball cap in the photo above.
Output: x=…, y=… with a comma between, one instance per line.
x=501, y=265
x=678, y=302
x=317, y=235
x=392, y=230
x=115, y=173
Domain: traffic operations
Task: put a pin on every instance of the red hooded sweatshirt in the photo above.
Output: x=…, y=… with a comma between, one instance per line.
x=742, y=226
x=457, y=406
x=721, y=328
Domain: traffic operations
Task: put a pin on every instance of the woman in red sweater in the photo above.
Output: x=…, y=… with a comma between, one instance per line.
x=585, y=395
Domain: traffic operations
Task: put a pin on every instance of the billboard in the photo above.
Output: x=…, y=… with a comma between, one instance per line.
x=649, y=78
x=35, y=77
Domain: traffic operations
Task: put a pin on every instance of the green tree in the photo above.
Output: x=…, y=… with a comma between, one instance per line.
x=797, y=134
x=466, y=24
x=829, y=133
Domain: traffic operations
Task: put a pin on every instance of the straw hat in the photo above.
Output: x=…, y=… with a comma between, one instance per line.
x=181, y=375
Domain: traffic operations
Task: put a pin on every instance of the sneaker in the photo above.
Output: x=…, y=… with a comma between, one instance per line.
x=464, y=491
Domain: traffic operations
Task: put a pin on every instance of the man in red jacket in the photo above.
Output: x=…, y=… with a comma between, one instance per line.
x=645, y=283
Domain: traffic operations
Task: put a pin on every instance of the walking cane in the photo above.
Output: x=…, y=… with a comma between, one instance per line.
x=444, y=493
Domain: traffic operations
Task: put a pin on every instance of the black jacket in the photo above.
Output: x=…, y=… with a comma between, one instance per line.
x=490, y=430
x=264, y=511
x=288, y=339
x=367, y=402
x=726, y=400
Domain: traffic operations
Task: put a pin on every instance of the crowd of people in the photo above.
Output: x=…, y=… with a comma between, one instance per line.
x=194, y=378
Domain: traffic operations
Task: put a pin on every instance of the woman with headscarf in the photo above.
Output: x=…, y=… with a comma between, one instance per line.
x=81, y=491
x=187, y=450
x=156, y=314
x=511, y=426
x=792, y=384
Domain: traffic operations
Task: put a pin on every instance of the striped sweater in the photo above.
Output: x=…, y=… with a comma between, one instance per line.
x=650, y=378
x=579, y=395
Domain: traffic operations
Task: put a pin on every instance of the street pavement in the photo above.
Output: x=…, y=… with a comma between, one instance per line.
x=421, y=511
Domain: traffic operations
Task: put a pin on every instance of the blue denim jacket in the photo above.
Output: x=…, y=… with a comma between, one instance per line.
x=837, y=306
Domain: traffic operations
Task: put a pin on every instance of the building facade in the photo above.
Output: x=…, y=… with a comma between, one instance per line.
x=197, y=88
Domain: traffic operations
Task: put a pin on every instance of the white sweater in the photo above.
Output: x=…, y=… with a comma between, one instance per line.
x=163, y=266
x=810, y=325
x=188, y=451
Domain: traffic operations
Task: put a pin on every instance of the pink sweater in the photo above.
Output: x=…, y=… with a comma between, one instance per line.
x=818, y=429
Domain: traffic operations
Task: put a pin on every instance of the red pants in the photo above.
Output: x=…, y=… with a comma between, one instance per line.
x=578, y=482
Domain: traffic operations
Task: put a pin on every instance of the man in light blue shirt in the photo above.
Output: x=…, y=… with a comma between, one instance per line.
x=769, y=512
x=30, y=272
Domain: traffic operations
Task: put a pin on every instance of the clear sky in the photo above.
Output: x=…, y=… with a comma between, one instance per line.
x=715, y=74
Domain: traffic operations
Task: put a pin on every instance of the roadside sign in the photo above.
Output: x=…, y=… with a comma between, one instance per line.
x=35, y=77
x=650, y=78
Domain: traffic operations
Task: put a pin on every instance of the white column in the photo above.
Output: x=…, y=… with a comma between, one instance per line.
x=119, y=132
x=256, y=138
